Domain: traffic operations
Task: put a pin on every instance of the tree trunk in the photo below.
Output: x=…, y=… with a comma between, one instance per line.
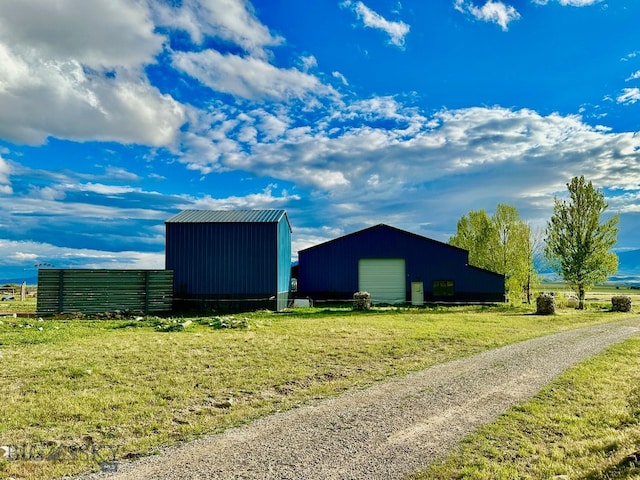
x=581, y=296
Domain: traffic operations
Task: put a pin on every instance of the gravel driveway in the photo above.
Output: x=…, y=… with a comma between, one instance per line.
x=388, y=430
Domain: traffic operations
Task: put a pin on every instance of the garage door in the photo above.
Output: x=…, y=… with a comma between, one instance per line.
x=383, y=278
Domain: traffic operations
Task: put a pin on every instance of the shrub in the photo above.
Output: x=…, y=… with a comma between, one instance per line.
x=545, y=304
x=621, y=303
x=361, y=301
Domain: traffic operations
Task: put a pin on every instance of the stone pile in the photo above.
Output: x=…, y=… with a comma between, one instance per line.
x=621, y=303
x=545, y=304
x=361, y=301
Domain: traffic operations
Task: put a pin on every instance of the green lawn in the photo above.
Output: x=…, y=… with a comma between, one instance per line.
x=586, y=425
x=137, y=385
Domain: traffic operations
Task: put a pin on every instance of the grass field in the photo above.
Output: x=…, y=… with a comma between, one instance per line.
x=137, y=385
x=585, y=425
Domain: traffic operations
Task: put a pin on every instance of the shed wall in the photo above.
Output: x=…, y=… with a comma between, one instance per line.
x=247, y=265
x=330, y=270
x=222, y=258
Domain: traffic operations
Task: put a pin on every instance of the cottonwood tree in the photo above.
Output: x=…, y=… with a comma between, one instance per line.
x=500, y=243
x=477, y=234
x=578, y=242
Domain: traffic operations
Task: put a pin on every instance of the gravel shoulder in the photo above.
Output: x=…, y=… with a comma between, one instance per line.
x=388, y=430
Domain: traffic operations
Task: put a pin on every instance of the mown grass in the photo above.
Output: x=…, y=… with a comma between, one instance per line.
x=143, y=384
x=17, y=306
x=586, y=425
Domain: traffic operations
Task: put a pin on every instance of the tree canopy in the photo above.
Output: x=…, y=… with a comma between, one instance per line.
x=500, y=243
x=578, y=241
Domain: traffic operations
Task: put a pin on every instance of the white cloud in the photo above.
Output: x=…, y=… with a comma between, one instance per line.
x=633, y=76
x=261, y=200
x=5, y=182
x=250, y=78
x=230, y=20
x=74, y=70
x=474, y=158
x=340, y=77
x=397, y=31
x=28, y=254
x=96, y=34
x=629, y=96
x=570, y=3
x=492, y=11
x=578, y=3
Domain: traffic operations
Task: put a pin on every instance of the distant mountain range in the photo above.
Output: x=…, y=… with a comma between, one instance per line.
x=628, y=272
x=628, y=268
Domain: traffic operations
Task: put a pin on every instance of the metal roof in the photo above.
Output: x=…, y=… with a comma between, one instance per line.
x=229, y=216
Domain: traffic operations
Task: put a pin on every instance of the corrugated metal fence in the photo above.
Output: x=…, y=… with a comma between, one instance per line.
x=98, y=291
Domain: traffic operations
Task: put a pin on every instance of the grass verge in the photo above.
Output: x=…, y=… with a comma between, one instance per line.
x=137, y=385
x=585, y=425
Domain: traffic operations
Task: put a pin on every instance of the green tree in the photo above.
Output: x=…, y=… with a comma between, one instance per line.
x=500, y=243
x=578, y=242
x=477, y=234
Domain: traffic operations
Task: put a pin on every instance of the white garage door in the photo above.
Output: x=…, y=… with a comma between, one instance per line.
x=383, y=278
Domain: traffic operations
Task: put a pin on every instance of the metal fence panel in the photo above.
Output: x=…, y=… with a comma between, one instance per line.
x=101, y=290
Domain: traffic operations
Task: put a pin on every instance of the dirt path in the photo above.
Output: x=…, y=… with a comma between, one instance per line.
x=388, y=430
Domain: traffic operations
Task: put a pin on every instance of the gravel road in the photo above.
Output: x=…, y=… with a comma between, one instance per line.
x=388, y=430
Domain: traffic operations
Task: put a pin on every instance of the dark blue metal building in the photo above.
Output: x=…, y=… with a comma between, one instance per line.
x=230, y=260
x=394, y=266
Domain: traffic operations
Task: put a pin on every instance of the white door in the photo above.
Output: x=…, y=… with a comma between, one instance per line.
x=417, y=293
x=383, y=278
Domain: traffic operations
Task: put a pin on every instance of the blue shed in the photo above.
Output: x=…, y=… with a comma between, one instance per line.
x=394, y=266
x=230, y=260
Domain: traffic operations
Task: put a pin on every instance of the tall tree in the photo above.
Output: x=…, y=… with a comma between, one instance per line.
x=477, y=234
x=500, y=243
x=578, y=242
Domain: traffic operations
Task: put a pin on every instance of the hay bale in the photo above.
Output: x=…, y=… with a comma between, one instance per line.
x=361, y=301
x=621, y=303
x=572, y=301
x=545, y=304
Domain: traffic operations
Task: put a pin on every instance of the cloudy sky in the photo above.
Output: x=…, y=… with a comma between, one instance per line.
x=117, y=114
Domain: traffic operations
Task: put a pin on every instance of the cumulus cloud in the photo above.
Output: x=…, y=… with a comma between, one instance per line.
x=397, y=31
x=249, y=77
x=629, y=96
x=27, y=255
x=74, y=70
x=230, y=20
x=5, y=183
x=260, y=200
x=492, y=11
x=378, y=155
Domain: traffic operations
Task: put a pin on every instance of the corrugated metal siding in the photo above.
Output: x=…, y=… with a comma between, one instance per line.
x=224, y=255
x=228, y=216
x=284, y=257
x=330, y=270
x=213, y=258
x=98, y=291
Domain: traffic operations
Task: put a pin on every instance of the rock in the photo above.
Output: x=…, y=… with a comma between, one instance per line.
x=224, y=404
x=361, y=301
x=621, y=303
x=545, y=304
x=572, y=301
x=5, y=451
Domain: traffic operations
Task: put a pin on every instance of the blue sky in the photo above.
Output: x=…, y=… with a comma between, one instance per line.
x=117, y=114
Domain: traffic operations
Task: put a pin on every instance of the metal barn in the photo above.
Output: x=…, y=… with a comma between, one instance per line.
x=230, y=260
x=394, y=266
